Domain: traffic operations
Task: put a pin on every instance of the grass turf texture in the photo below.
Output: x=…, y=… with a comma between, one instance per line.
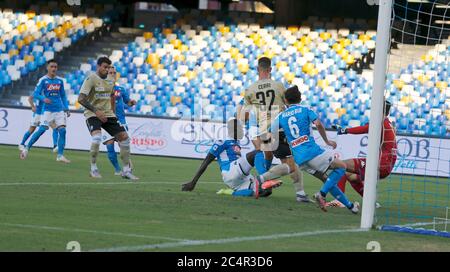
x=45, y=204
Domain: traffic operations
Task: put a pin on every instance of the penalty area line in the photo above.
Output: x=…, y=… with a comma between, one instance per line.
x=96, y=183
x=224, y=241
x=51, y=228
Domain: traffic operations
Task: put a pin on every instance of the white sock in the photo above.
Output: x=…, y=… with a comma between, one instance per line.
x=301, y=193
x=126, y=168
x=93, y=167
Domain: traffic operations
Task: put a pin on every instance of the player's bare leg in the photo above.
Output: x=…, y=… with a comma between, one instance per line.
x=124, y=144
x=95, y=146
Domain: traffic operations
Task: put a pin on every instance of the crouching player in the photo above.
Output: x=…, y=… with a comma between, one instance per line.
x=235, y=169
x=308, y=155
x=356, y=167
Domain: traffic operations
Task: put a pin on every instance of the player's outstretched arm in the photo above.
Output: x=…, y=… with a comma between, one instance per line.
x=358, y=130
x=206, y=162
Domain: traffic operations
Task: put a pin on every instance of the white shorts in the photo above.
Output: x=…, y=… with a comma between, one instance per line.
x=59, y=118
x=36, y=120
x=106, y=137
x=319, y=164
x=238, y=177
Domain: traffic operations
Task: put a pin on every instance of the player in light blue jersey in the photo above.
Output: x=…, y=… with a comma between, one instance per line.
x=37, y=109
x=296, y=122
x=50, y=92
x=122, y=100
x=235, y=168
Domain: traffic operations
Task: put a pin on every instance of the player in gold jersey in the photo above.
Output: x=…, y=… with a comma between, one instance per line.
x=97, y=97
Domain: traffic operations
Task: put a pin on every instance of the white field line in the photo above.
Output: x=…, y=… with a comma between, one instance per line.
x=225, y=240
x=91, y=231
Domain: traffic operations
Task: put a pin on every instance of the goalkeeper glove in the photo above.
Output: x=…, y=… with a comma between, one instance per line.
x=340, y=130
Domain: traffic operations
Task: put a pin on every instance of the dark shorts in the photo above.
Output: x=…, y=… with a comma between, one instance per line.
x=283, y=150
x=112, y=126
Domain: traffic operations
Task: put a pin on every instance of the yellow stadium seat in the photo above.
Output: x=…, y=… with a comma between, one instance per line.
x=399, y=84
x=20, y=44
x=441, y=85
x=344, y=53
x=191, y=74
x=260, y=43
x=422, y=78
x=218, y=65
x=325, y=36
x=341, y=111
x=22, y=28
x=13, y=52
x=176, y=43
x=304, y=50
x=289, y=77
x=167, y=31
x=337, y=47
x=307, y=67
x=406, y=99
x=426, y=58
x=224, y=29
x=184, y=48
x=148, y=35
x=233, y=52
x=28, y=58
x=30, y=14
x=281, y=64
x=153, y=59
x=305, y=40
x=40, y=24
x=180, y=57
x=313, y=72
x=345, y=42
x=175, y=100
x=243, y=68
x=293, y=29
x=349, y=59
x=28, y=39
x=322, y=83
x=364, y=37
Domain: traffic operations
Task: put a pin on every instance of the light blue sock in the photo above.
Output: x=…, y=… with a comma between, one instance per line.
x=341, y=197
x=55, y=137
x=36, y=136
x=61, y=140
x=332, y=180
x=112, y=156
x=245, y=192
x=25, y=137
x=260, y=163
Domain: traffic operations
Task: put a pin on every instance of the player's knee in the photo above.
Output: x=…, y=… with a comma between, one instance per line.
x=122, y=136
x=43, y=128
x=96, y=139
x=125, y=142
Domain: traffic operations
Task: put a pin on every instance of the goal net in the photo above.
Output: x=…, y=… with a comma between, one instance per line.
x=416, y=196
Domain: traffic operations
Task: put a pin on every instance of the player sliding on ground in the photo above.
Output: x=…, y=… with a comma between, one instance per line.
x=356, y=167
x=309, y=156
x=97, y=97
x=235, y=169
x=50, y=92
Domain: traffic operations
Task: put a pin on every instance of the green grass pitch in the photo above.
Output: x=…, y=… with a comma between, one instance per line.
x=45, y=204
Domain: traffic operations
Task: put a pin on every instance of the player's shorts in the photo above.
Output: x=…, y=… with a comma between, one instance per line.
x=58, y=118
x=320, y=163
x=106, y=137
x=238, y=177
x=283, y=150
x=36, y=120
x=112, y=125
x=387, y=163
x=253, y=132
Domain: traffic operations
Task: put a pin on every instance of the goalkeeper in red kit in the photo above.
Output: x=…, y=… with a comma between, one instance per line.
x=356, y=167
